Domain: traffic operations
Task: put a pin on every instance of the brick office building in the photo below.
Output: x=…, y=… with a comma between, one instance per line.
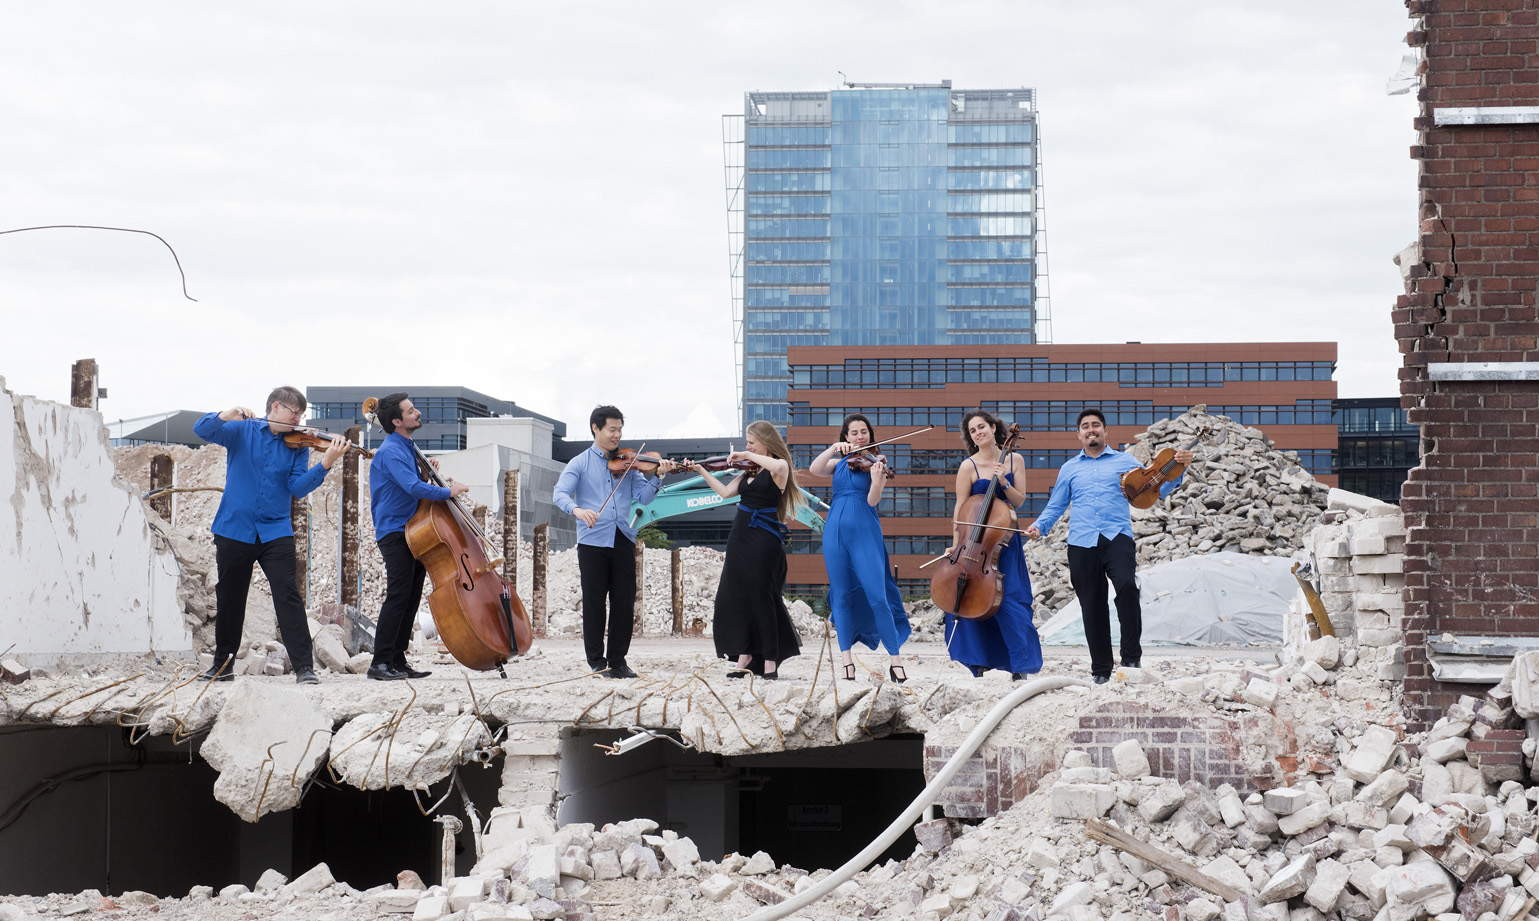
x=1467, y=329
x=1285, y=389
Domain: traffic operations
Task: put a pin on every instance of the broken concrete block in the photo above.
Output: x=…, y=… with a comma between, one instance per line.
x=1130, y=759
x=431, y=908
x=758, y=865
x=1288, y=882
x=259, y=717
x=1404, y=809
x=1385, y=788
x=270, y=881
x=1361, y=815
x=1074, y=758
x=1367, y=878
x=1393, y=836
x=640, y=861
x=465, y=891
x=933, y=835
x=1200, y=909
x=393, y=901
x=1417, y=890
x=1260, y=693
x=1158, y=803
x=328, y=648
x=1192, y=833
x=1231, y=810
x=1441, y=833
x=1080, y=801
x=359, y=664
x=543, y=909
x=1072, y=895
x=1041, y=854
x=1375, y=749
x=13, y=672
x=1328, y=885
x=1225, y=870
x=311, y=881
x=764, y=892
x=683, y=855
x=1284, y=800
x=717, y=886
x=1261, y=820
x=1311, y=815
x=1324, y=652
x=1445, y=750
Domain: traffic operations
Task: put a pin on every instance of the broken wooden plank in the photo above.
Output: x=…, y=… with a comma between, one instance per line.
x=1107, y=833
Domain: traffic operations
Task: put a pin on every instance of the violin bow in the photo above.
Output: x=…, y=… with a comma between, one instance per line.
x=628, y=468
x=891, y=440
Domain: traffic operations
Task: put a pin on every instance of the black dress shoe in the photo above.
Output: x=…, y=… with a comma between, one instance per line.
x=305, y=675
x=1100, y=679
x=739, y=673
x=1132, y=663
x=411, y=673
x=385, y=672
x=770, y=676
x=219, y=672
x=621, y=671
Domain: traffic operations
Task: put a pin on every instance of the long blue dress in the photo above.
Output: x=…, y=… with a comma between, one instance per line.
x=1008, y=640
x=862, y=595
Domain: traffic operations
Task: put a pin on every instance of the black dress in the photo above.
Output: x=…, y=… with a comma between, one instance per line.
x=751, y=616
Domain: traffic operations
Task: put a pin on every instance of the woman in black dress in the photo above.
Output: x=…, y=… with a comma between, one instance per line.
x=751, y=623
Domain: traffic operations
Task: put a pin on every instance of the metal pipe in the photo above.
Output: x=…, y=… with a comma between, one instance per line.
x=906, y=819
x=452, y=827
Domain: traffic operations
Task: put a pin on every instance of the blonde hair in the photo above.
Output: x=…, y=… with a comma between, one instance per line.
x=775, y=446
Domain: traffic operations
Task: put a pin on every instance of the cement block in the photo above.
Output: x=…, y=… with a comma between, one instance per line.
x=1284, y=800
x=1130, y=759
x=1288, y=882
x=1328, y=885
x=1385, y=789
x=717, y=887
x=1260, y=693
x=1304, y=819
x=1373, y=753
x=1081, y=801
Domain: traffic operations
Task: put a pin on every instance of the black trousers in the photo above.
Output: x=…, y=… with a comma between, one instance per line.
x=234, y=559
x=608, y=573
x=1089, y=570
x=404, y=577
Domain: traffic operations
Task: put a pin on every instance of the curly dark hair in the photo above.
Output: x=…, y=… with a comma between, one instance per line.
x=969, y=416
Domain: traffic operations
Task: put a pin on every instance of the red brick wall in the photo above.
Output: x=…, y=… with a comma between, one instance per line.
x=1207, y=748
x=1472, y=507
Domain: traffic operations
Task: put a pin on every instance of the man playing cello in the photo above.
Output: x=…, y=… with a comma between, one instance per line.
x=395, y=486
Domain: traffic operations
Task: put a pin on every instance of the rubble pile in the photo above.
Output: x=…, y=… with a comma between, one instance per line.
x=1239, y=494
x=1357, y=553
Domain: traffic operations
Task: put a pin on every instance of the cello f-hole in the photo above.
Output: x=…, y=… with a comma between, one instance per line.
x=470, y=584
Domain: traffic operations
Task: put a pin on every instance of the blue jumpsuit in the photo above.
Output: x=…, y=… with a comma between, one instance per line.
x=862, y=595
x=1008, y=640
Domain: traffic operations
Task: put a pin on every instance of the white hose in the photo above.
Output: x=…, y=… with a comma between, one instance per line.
x=903, y=822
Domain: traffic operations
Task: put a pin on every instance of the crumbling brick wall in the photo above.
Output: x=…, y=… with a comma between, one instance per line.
x=1472, y=548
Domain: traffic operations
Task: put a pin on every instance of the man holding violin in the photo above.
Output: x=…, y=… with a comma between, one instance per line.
x=254, y=523
x=395, y=487
x=601, y=500
x=1101, y=543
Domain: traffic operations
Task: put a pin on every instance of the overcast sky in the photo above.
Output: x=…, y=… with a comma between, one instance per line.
x=528, y=199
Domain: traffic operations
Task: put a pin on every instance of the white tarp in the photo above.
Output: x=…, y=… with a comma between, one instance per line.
x=1221, y=599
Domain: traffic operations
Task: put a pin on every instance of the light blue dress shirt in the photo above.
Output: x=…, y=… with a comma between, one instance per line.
x=586, y=482
x=1094, y=486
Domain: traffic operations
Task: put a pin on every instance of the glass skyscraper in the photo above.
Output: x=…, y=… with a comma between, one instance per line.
x=879, y=214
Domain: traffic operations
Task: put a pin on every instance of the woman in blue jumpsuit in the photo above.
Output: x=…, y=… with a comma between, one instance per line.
x=862, y=594
x=1008, y=640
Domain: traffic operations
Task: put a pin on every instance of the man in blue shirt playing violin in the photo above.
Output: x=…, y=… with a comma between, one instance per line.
x=1101, y=543
x=395, y=486
x=254, y=524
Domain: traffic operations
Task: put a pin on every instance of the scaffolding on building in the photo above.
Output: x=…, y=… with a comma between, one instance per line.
x=733, y=153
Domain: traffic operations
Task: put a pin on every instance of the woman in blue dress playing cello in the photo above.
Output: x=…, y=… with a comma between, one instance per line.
x=862, y=595
x=1008, y=640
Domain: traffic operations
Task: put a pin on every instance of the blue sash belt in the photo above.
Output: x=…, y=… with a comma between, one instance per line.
x=767, y=519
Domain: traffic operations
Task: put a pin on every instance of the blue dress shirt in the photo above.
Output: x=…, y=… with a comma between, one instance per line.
x=395, y=485
x=586, y=482
x=262, y=477
x=1094, y=486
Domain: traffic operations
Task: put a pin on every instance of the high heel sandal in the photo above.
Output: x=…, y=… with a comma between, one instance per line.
x=849, y=672
x=894, y=671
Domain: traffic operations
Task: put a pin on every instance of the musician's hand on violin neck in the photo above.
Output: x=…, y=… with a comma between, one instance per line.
x=1183, y=457
x=333, y=451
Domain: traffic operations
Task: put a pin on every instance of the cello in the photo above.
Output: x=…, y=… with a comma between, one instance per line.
x=480, y=618
x=967, y=584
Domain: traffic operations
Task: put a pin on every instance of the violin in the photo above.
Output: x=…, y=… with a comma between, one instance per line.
x=719, y=463
x=968, y=583
x=1142, y=486
x=626, y=459
x=863, y=463
x=308, y=439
